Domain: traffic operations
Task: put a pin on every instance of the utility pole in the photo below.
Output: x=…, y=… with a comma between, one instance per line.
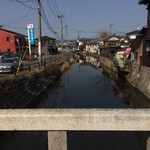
x=110, y=28
x=60, y=17
x=29, y=42
x=78, y=35
x=66, y=27
x=39, y=36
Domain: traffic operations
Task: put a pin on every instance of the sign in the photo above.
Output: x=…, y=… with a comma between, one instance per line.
x=32, y=35
x=128, y=51
x=39, y=48
x=30, y=25
x=31, y=32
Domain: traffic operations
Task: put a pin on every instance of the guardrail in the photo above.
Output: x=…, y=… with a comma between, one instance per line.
x=58, y=121
x=45, y=62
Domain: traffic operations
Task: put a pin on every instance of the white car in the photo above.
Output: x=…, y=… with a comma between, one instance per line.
x=10, y=65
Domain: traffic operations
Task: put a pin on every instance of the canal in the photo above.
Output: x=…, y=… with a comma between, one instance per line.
x=85, y=85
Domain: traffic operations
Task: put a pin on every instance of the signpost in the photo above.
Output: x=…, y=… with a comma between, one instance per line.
x=30, y=37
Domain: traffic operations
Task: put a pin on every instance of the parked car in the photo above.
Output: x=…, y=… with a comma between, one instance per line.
x=35, y=54
x=10, y=65
x=1, y=57
x=17, y=56
x=52, y=50
x=4, y=56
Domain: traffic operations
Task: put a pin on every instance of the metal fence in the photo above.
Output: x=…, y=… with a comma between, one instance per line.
x=46, y=61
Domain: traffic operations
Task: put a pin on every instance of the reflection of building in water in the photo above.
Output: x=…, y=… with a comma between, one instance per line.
x=92, y=47
x=93, y=61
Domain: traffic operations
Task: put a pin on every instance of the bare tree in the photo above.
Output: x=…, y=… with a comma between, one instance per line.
x=104, y=34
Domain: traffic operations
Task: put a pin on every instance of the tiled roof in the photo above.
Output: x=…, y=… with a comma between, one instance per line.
x=135, y=32
x=12, y=32
x=47, y=38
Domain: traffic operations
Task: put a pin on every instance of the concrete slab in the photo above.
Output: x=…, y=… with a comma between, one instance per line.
x=75, y=119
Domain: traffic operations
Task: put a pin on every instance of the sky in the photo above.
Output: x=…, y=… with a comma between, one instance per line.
x=87, y=16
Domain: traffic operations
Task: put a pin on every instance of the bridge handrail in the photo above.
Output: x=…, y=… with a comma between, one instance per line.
x=75, y=119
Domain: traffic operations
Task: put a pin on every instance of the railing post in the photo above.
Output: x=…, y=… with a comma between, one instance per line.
x=29, y=68
x=148, y=143
x=40, y=65
x=57, y=140
x=45, y=63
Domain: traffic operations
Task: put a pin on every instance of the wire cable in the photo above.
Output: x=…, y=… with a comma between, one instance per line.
x=43, y=15
x=57, y=6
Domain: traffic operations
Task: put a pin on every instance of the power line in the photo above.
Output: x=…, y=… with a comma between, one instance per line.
x=29, y=9
x=22, y=3
x=50, y=6
x=57, y=6
x=130, y=25
x=47, y=23
x=14, y=21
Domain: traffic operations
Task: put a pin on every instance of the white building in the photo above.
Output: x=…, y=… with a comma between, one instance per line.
x=92, y=48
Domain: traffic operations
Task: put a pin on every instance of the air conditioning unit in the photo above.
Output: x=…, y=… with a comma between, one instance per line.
x=144, y=2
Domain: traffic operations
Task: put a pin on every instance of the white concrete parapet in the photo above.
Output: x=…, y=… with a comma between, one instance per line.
x=75, y=119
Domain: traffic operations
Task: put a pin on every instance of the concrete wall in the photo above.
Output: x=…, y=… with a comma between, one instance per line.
x=140, y=78
x=75, y=119
x=107, y=62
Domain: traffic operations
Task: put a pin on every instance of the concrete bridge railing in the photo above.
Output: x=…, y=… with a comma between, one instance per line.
x=58, y=121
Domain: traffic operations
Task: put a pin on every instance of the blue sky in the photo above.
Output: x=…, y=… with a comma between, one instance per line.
x=87, y=16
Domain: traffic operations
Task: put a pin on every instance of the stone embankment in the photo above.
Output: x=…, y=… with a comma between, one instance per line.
x=139, y=77
x=18, y=92
x=107, y=62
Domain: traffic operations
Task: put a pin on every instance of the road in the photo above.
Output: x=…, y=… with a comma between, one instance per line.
x=34, y=63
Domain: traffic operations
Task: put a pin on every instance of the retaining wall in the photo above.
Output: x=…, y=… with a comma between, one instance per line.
x=19, y=92
x=107, y=62
x=139, y=77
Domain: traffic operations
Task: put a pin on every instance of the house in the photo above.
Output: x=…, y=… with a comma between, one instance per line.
x=92, y=47
x=133, y=35
x=12, y=42
x=47, y=42
x=130, y=38
x=113, y=41
x=141, y=47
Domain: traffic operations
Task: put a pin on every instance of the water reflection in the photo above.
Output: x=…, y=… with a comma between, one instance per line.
x=88, y=85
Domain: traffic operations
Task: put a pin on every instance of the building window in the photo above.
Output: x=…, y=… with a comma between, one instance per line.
x=8, y=50
x=7, y=38
x=17, y=50
x=135, y=56
x=148, y=45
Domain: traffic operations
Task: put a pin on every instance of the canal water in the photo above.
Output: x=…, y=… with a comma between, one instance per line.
x=85, y=85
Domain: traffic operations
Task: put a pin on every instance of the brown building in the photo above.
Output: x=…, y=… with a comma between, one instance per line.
x=46, y=42
x=141, y=46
